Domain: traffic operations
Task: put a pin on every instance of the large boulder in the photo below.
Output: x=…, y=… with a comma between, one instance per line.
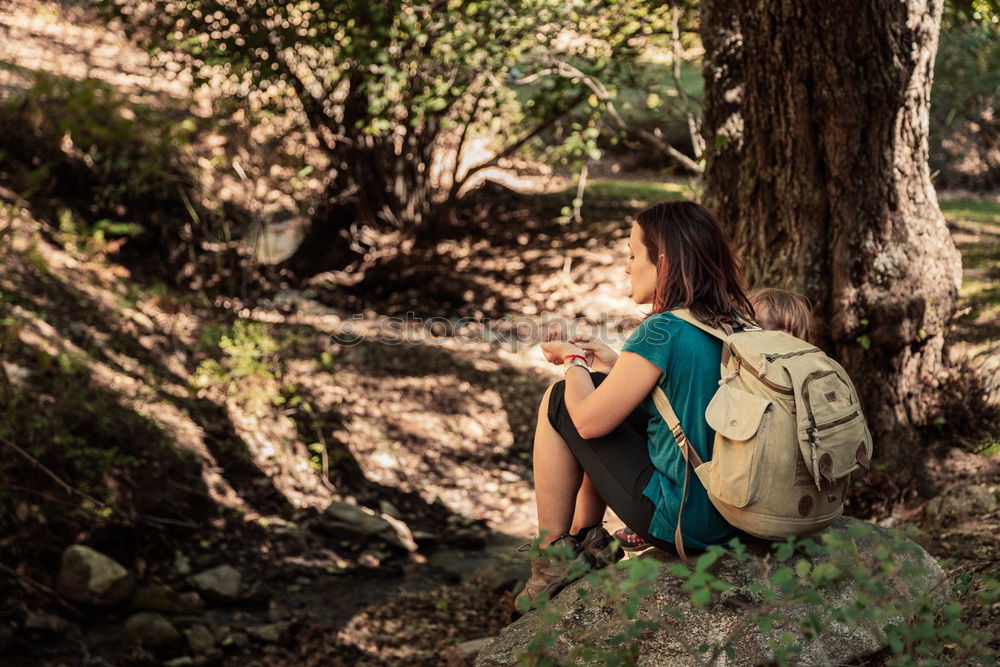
x=90, y=577
x=582, y=613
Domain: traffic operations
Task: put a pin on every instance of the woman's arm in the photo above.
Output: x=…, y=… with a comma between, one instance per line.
x=598, y=411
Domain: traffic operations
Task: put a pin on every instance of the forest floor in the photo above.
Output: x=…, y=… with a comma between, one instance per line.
x=244, y=409
x=177, y=430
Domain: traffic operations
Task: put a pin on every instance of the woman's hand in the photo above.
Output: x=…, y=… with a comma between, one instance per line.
x=600, y=356
x=557, y=350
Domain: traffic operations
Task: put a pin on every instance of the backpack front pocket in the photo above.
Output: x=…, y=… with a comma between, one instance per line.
x=838, y=447
x=741, y=421
x=835, y=441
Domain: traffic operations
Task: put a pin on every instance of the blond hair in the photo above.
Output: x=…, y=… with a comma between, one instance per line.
x=783, y=310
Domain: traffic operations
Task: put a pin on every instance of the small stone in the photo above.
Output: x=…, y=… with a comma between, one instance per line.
x=183, y=661
x=389, y=509
x=961, y=502
x=236, y=640
x=199, y=639
x=162, y=598
x=50, y=623
x=182, y=564
x=224, y=582
x=152, y=630
x=18, y=375
x=272, y=632
x=508, y=476
x=90, y=577
x=369, y=560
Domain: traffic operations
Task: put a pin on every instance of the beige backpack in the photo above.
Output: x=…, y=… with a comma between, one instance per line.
x=788, y=434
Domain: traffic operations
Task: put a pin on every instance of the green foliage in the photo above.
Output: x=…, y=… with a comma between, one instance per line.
x=92, y=239
x=91, y=156
x=645, y=93
x=852, y=579
x=627, y=584
x=246, y=363
x=382, y=84
x=965, y=97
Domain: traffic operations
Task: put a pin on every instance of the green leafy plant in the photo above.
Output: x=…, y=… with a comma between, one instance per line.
x=88, y=146
x=247, y=364
x=852, y=579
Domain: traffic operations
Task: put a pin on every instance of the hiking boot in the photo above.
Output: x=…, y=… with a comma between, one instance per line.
x=601, y=545
x=551, y=575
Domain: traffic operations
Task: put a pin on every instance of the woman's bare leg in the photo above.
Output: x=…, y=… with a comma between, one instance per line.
x=557, y=477
x=590, y=507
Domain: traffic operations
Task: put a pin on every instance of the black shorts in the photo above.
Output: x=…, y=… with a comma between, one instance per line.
x=617, y=463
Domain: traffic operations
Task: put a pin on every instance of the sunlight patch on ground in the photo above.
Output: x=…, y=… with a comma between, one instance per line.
x=637, y=193
x=39, y=37
x=975, y=227
x=976, y=211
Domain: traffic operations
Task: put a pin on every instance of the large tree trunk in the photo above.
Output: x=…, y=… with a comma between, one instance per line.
x=816, y=115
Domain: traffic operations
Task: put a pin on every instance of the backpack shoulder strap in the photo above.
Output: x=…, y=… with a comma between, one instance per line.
x=687, y=316
x=674, y=424
x=691, y=460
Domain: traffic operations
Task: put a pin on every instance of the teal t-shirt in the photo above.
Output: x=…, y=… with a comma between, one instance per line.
x=689, y=359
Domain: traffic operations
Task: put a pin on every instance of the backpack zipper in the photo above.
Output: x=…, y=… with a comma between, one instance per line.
x=754, y=372
x=842, y=420
x=788, y=355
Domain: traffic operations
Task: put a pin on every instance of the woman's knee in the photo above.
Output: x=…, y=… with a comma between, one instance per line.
x=545, y=406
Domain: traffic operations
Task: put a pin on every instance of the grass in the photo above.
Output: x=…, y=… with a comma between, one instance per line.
x=991, y=449
x=980, y=255
x=987, y=212
x=643, y=191
x=980, y=292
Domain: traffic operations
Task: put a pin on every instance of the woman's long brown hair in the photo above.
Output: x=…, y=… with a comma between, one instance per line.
x=698, y=269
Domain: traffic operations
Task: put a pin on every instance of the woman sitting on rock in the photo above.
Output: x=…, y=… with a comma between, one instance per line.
x=600, y=441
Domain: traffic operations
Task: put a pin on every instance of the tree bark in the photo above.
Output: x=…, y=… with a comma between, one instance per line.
x=816, y=123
